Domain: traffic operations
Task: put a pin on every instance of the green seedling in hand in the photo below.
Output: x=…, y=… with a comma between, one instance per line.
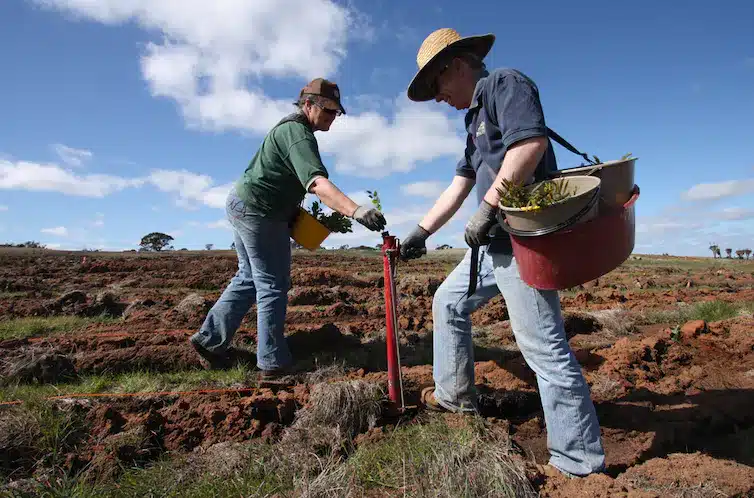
x=375, y=199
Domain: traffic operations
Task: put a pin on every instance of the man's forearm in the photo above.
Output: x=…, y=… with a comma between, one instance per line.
x=518, y=166
x=332, y=197
x=447, y=204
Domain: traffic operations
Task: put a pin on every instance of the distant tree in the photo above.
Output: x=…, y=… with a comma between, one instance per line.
x=208, y=246
x=715, y=250
x=344, y=247
x=156, y=241
x=747, y=252
x=443, y=247
x=728, y=251
x=184, y=249
x=295, y=245
x=30, y=244
x=233, y=246
x=740, y=253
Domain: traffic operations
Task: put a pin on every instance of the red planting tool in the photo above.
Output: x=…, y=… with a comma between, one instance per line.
x=390, y=248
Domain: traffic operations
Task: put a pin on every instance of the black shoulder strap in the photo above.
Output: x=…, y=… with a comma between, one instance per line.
x=562, y=141
x=297, y=117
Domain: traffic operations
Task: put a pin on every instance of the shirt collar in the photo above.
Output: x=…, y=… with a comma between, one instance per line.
x=478, y=90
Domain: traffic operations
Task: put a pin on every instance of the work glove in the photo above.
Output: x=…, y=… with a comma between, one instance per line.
x=370, y=218
x=476, y=233
x=414, y=245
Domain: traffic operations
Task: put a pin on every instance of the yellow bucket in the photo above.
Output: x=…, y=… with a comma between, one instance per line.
x=309, y=232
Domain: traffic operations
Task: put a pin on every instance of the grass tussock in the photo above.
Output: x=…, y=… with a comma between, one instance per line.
x=438, y=459
x=20, y=328
x=38, y=435
x=615, y=322
x=352, y=406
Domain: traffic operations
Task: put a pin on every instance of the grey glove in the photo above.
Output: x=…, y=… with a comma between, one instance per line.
x=413, y=246
x=476, y=233
x=370, y=218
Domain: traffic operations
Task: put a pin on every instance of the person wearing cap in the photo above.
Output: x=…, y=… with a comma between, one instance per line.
x=262, y=207
x=506, y=139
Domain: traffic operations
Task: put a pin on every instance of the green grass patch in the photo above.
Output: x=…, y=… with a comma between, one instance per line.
x=677, y=263
x=38, y=435
x=710, y=311
x=132, y=382
x=19, y=328
x=8, y=295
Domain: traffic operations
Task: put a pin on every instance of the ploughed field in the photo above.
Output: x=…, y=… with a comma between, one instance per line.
x=102, y=395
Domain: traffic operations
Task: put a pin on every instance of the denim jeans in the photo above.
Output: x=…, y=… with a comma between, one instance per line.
x=263, y=276
x=573, y=432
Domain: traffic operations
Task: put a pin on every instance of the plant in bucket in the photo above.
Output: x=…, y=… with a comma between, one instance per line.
x=548, y=206
x=312, y=228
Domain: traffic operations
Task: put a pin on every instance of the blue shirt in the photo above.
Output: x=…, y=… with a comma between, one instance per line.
x=505, y=109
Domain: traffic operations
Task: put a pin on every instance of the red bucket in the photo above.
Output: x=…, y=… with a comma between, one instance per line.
x=580, y=253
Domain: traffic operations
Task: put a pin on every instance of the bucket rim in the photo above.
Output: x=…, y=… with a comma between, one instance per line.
x=594, y=179
x=589, y=167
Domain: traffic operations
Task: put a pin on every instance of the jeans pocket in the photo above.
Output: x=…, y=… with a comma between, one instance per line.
x=235, y=207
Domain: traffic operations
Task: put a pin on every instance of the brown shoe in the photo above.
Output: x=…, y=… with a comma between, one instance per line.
x=209, y=360
x=277, y=377
x=429, y=401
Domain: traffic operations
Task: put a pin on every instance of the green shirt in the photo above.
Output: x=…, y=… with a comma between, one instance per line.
x=280, y=173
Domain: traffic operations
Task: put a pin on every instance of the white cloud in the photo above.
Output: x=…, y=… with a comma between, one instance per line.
x=59, y=231
x=191, y=188
x=735, y=213
x=714, y=191
x=409, y=214
x=424, y=189
x=70, y=156
x=222, y=224
x=24, y=175
x=371, y=145
x=214, y=56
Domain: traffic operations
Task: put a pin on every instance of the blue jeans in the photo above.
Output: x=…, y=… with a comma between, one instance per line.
x=573, y=432
x=263, y=276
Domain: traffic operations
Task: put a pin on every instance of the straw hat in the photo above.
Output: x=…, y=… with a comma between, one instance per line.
x=431, y=55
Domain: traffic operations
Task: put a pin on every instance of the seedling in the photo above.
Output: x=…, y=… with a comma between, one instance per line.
x=675, y=334
x=375, y=199
x=545, y=194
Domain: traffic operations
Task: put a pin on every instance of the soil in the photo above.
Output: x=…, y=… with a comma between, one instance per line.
x=676, y=406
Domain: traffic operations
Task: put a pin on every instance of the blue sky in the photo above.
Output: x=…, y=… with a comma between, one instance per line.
x=123, y=117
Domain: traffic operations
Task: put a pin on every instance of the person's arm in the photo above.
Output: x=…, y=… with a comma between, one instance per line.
x=414, y=245
x=519, y=163
x=447, y=204
x=332, y=197
x=303, y=154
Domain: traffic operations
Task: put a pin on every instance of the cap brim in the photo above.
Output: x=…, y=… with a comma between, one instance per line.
x=420, y=88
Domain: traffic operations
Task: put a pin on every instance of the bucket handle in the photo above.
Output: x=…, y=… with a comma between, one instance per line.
x=555, y=228
x=634, y=197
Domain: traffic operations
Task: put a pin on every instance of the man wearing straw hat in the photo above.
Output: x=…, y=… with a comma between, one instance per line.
x=507, y=139
x=261, y=209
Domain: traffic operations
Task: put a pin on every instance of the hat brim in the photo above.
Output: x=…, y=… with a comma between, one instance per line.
x=420, y=89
